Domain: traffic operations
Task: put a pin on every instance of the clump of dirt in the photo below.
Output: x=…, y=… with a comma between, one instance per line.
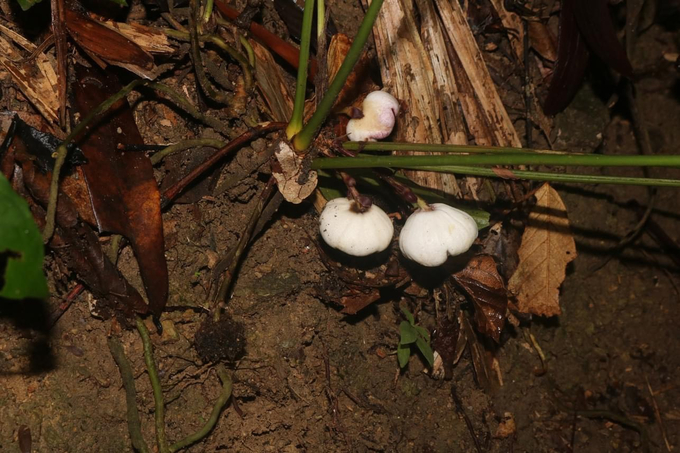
x=221, y=340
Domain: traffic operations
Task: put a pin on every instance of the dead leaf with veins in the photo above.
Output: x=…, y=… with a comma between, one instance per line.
x=547, y=247
x=295, y=183
x=481, y=281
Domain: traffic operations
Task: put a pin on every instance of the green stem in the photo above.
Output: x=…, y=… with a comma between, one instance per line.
x=249, y=50
x=134, y=423
x=443, y=148
x=214, y=415
x=589, y=160
x=184, y=145
x=320, y=19
x=306, y=135
x=161, y=440
x=551, y=177
x=295, y=124
x=62, y=151
x=208, y=10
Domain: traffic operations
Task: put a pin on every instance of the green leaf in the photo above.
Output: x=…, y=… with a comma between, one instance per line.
x=408, y=333
x=403, y=354
x=426, y=350
x=408, y=316
x=423, y=333
x=27, y=4
x=120, y=2
x=21, y=247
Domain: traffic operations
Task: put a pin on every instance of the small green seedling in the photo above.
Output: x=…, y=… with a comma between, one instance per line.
x=412, y=334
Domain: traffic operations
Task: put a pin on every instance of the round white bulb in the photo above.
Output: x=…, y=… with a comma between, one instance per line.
x=356, y=233
x=429, y=237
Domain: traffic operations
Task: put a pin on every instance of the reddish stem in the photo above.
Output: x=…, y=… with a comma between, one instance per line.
x=172, y=192
x=280, y=47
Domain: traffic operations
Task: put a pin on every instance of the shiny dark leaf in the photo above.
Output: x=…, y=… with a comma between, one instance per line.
x=596, y=26
x=572, y=59
x=480, y=279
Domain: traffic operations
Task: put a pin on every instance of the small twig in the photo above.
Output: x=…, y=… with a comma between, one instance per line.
x=172, y=192
x=461, y=412
x=61, y=309
x=188, y=107
x=529, y=126
x=62, y=151
x=159, y=415
x=184, y=145
x=214, y=415
x=59, y=33
x=134, y=422
x=658, y=417
x=241, y=246
x=246, y=64
x=38, y=50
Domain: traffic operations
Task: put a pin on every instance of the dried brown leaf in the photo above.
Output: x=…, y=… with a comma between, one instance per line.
x=542, y=40
x=122, y=187
x=295, y=184
x=547, y=247
x=273, y=87
x=481, y=281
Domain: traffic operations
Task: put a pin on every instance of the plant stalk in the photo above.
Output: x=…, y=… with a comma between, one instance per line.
x=444, y=148
x=551, y=177
x=302, y=140
x=588, y=160
x=161, y=439
x=296, y=119
x=221, y=401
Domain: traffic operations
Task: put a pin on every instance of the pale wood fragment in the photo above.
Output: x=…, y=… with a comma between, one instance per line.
x=463, y=41
x=271, y=84
x=36, y=79
x=407, y=74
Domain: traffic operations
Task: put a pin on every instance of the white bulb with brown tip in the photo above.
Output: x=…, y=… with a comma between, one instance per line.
x=345, y=227
x=380, y=111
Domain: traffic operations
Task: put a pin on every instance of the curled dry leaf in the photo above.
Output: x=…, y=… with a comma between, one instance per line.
x=295, y=183
x=547, y=247
x=481, y=281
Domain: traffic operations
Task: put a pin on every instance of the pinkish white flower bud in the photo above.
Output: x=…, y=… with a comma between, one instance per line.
x=380, y=111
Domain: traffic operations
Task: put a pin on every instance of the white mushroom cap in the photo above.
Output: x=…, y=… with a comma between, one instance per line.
x=429, y=237
x=356, y=233
x=380, y=111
